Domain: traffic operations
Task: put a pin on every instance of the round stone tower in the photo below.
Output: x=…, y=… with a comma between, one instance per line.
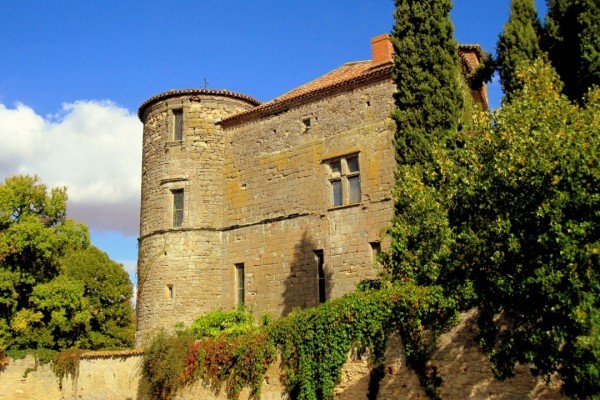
x=180, y=249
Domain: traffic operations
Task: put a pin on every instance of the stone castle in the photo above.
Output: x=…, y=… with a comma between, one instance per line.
x=267, y=206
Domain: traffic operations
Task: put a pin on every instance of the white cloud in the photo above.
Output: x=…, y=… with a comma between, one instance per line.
x=92, y=147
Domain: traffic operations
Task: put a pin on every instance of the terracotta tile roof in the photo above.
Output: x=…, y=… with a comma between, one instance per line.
x=349, y=75
x=183, y=92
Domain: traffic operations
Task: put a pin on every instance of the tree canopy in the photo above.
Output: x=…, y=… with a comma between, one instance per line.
x=532, y=218
x=501, y=213
x=56, y=290
x=518, y=43
x=572, y=40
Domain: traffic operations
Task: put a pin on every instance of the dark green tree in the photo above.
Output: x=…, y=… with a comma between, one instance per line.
x=572, y=40
x=108, y=291
x=532, y=219
x=518, y=43
x=428, y=114
x=426, y=71
x=429, y=103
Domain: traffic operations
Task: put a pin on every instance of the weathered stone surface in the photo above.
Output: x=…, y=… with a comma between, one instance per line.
x=258, y=193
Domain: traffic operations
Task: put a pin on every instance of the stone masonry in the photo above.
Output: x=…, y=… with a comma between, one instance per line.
x=268, y=206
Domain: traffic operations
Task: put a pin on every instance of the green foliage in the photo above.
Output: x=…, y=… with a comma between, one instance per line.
x=314, y=344
x=531, y=233
x=518, y=43
x=426, y=71
x=108, y=292
x=433, y=112
x=219, y=348
x=572, y=41
x=215, y=323
x=56, y=291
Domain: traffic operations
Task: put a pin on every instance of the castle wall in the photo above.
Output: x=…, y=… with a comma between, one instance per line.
x=179, y=262
x=278, y=199
x=463, y=367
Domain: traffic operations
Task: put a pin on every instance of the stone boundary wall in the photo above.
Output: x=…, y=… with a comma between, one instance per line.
x=117, y=376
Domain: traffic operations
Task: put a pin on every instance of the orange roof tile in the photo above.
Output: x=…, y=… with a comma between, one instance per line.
x=348, y=75
x=353, y=73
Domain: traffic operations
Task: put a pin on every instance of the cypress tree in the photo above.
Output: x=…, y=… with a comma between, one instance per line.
x=518, y=43
x=426, y=70
x=572, y=40
x=429, y=109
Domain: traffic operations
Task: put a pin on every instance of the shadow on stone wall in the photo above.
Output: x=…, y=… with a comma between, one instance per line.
x=464, y=368
x=301, y=287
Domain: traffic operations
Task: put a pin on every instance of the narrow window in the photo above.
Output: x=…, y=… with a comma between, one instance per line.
x=354, y=189
x=178, y=204
x=320, y=275
x=178, y=124
x=336, y=187
x=169, y=292
x=375, y=250
x=239, y=283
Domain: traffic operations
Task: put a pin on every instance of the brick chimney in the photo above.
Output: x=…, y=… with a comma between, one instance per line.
x=382, y=49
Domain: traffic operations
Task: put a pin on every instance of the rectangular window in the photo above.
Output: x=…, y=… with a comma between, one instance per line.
x=178, y=124
x=375, y=250
x=336, y=187
x=169, y=292
x=320, y=275
x=344, y=178
x=239, y=284
x=178, y=204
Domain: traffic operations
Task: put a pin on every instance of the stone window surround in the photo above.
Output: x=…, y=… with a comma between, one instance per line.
x=343, y=174
x=170, y=186
x=240, y=285
x=172, y=109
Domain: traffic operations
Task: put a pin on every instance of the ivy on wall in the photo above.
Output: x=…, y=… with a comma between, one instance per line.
x=313, y=343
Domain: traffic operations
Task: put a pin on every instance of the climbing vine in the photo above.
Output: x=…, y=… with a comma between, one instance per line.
x=314, y=344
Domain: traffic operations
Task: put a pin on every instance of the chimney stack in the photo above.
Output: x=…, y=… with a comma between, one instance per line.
x=382, y=48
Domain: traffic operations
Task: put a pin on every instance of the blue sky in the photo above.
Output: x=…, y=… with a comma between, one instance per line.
x=73, y=74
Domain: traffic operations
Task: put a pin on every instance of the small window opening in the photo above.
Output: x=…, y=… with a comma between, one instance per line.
x=375, y=251
x=178, y=205
x=240, y=285
x=178, y=124
x=320, y=275
x=306, y=123
x=169, y=292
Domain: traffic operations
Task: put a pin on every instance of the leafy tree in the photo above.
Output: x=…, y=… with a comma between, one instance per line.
x=532, y=221
x=429, y=115
x=428, y=110
x=108, y=291
x=518, y=43
x=46, y=301
x=572, y=41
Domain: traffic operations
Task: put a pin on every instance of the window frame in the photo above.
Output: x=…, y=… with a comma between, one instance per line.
x=340, y=169
x=178, y=213
x=177, y=132
x=240, y=285
x=321, y=278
